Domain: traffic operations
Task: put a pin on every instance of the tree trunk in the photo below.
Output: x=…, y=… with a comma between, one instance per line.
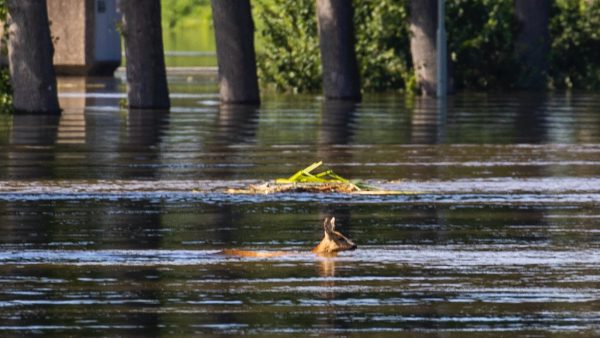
x=423, y=26
x=30, y=56
x=341, y=79
x=533, y=42
x=234, y=33
x=146, y=74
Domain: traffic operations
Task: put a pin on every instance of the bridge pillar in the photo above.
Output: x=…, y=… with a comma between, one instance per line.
x=30, y=53
x=234, y=35
x=341, y=80
x=147, y=86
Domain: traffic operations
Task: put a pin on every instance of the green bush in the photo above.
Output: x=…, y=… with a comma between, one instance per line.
x=289, y=58
x=5, y=88
x=183, y=12
x=5, y=91
x=480, y=43
x=382, y=45
x=575, y=52
x=481, y=36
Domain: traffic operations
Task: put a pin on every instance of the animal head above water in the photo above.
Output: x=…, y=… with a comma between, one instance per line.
x=333, y=241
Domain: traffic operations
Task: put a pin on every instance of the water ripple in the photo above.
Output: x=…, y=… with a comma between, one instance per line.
x=451, y=257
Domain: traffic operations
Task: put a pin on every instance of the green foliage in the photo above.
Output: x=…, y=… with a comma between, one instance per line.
x=5, y=88
x=480, y=42
x=187, y=26
x=184, y=12
x=5, y=91
x=575, y=52
x=306, y=176
x=327, y=180
x=382, y=44
x=481, y=36
x=289, y=58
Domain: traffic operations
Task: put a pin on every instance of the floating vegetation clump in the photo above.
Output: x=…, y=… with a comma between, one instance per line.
x=306, y=181
x=326, y=178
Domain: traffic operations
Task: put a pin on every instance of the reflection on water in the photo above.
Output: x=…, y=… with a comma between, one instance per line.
x=236, y=124
x=336, y=125
x=112, y=220
x=30, y=134
x=428, y=120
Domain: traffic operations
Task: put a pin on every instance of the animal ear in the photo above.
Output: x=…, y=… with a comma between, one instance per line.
x=327, y=225
x=332, y=224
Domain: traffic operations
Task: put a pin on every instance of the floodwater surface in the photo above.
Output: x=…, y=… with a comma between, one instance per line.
x=112, y=221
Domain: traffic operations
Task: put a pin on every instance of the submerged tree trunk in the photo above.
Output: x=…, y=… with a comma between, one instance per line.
x=234, y=33
x=423, y=27
x=533, y=42
x=341, y=79
x=30, y=56
x=146, y=74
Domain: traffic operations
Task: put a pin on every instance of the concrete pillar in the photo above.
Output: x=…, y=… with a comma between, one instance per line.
x=234, y=32
x=146, y=75
x=30, y=54
x=423, y=26
x=341, y=79
x=441, y=50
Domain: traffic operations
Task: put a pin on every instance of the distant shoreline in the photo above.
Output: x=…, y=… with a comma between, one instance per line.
x=196, y=70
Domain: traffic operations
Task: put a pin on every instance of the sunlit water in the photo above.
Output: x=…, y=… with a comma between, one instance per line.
x=112, y=222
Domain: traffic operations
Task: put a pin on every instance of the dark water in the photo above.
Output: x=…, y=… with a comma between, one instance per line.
x=111, y=221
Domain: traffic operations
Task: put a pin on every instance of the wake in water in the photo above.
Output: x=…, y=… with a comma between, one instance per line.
x=435, y=256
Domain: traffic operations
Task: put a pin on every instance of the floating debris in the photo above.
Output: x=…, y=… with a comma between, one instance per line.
x=270, y=188
x=304, y=181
